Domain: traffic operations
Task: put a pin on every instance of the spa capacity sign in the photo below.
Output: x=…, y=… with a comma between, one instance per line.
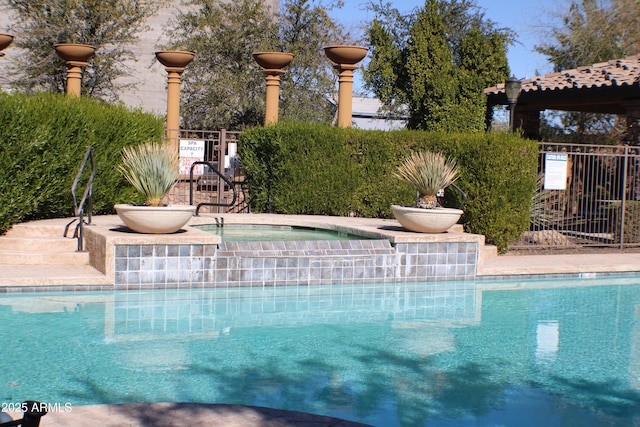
x=191, y=150
x=555, y=171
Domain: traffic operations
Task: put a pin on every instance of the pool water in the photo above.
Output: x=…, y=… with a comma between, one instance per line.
x=558, y=353
x=266, y=233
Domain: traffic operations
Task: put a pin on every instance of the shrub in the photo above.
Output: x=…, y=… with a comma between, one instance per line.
x=43, y=139
x=315, y=169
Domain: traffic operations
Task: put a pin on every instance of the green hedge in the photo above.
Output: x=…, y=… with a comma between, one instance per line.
x=43, y=138
x=300, y=168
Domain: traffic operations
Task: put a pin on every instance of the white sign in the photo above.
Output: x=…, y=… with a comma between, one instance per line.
x=191, y=150
x=555, y=171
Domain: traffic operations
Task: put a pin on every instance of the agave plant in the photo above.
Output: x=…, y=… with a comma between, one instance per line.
x=428, y=172
x=152, y=168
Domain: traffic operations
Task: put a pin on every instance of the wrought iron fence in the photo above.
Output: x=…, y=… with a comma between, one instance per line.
x=219, y=149
x=587, y=195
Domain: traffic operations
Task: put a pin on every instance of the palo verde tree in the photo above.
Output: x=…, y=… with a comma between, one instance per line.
x=109, y=25
x=223, y=86
x=588, y=32
x=436, y=60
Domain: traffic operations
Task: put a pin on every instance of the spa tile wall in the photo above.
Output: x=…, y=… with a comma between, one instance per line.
x=234, y=264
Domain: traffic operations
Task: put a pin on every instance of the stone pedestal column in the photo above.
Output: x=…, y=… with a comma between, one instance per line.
x=76, y=57
x=5, y=41
x=273, y=64
x=345, y=58
x=174, y=63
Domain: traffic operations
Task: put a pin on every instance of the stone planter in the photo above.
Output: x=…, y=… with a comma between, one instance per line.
x=175, y=58
x=436, y=220
x=5, y=41
x=348, y=55
x=75, y=52
x=273, y=60
x=155, y=219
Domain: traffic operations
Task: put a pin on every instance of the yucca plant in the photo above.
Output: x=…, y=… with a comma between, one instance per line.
x=428, y=172
x=152, y=168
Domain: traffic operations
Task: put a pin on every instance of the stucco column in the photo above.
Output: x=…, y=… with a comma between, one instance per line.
x=272, y=77
x=345, y=58
x=529, y=122
x=272, y=64
x=75, y=57
x=174, y=63
x=345, y=94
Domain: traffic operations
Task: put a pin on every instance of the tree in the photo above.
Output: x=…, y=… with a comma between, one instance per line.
x=224, y=88
x=436, y=60
x=591, y=31
x=109, y=25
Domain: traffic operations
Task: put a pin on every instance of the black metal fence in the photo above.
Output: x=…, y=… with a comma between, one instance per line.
x=587, y=195
x=219, y=149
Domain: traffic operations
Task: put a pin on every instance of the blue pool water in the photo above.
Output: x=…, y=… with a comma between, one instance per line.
x=436, y=354
x=269, y=233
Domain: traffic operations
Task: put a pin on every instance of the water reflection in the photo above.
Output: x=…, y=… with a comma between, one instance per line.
x=389, y=355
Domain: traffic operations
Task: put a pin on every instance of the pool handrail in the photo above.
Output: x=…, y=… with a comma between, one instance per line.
x=214, y=169
x=87, y=198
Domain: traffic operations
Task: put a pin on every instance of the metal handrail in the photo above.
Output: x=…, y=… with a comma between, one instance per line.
x=87, y=198
x=224, y=178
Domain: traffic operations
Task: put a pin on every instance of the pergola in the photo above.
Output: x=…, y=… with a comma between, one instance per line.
x=609, y=87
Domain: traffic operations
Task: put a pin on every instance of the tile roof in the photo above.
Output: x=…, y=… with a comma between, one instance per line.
x=617, y=72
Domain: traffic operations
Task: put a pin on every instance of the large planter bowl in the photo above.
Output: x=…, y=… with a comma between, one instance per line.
x=75, y=52
x=347, y=55
x=5, y=41
x=273, y=60
x=155, y=219
x=175, y=58
x=436, y=220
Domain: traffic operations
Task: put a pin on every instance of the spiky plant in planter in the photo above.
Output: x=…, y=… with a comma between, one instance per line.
x=428, y=172
x=152, y=168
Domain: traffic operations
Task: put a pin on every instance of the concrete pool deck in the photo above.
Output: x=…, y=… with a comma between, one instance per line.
x=32, y=269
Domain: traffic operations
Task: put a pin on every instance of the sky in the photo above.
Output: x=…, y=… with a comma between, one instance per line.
x=527, y=18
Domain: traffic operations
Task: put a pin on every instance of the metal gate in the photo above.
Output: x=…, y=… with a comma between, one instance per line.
x=587, y=195
x=219, y=149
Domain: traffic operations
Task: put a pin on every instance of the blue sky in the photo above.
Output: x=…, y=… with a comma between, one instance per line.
x=525, y=17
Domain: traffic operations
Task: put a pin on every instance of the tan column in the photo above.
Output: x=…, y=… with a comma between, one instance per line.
x=272, y=64
x=74, y=78
x=272, y=78
x=75, y=57
x=174, y=62
x=173, y=102
x=345, y=58
x=345, y=94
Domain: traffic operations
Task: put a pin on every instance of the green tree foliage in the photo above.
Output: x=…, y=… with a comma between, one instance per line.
x=224, y=88
x=588, y=32
x=109, y=25
x=436, y=60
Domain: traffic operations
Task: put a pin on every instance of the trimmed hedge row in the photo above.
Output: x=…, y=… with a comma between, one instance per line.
x=301, y=168
x=43, y=139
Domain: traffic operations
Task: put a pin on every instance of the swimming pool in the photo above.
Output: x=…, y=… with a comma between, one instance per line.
x=270, y=233
x=408, y=354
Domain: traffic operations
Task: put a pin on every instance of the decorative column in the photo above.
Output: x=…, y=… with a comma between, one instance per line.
x=175, y=63
x=76, y=57
x=5, y=41
x=272, y=64
x=345, y=58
